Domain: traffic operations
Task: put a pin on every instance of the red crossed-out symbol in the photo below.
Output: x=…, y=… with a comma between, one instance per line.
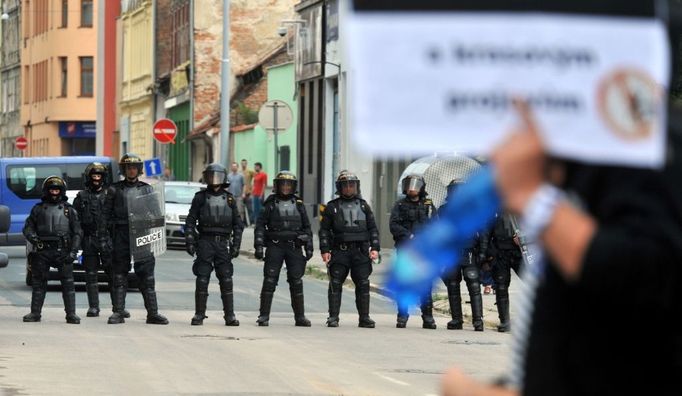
x=165, y=131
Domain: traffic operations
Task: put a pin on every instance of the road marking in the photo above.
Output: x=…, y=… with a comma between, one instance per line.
x=395, y=381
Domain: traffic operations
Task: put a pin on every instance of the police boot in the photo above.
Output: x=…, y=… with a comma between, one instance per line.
x=477, y=311
x=37, y=299
x=92, y=290
x=227, y=296
x=362, y=304
x=401, y=320
x=334, y=297
x=297, y=303
x=456, y=312
x=200, y=297
x=151, y=304
x=69, y=297
x=427, y=314
x=110, y=282
x=503, y=313
x=265, y=304
x=118, y=299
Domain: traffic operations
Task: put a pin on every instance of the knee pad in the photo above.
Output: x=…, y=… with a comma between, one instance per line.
x=362, y=286
x=270, y=283
x=336, y=285
x=453, y=288
x=202, y=284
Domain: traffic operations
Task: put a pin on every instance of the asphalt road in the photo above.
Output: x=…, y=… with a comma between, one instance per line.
x=52, y=357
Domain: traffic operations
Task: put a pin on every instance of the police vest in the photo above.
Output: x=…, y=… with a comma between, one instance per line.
x=285, y=221
x=52, y=220
x=414, y=214
x=91, y=209
x=350, y=222
x=215, y=215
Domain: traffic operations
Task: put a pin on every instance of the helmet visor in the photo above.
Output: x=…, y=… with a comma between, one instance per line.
x=286, y=186
x=214, y=177
x=413, y=184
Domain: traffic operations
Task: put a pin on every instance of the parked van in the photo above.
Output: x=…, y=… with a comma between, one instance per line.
x=21, y=181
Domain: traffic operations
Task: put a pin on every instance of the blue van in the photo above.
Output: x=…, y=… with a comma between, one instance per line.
x=21, y=181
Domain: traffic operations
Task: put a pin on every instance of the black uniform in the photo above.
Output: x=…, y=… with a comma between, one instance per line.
x=54, y=231
x=219, y=239
x=506, y=256
x=348, y=231
x=468, y=269
x=407, y=216
x=96, y=248
x=115, y=213
x=284, y=229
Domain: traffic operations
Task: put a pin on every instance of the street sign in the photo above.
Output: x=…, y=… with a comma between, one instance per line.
x=165, y=130
x=152, y=167
x=275, y=116
x=21, y=143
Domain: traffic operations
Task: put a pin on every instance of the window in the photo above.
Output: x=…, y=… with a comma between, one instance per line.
x=40, y=16
x=180, y=36
x=27, y=85
x=63, y=70
x=27, y=20
x=65, y=14
x=86, y=76
x=26, y=181
x=86, y=13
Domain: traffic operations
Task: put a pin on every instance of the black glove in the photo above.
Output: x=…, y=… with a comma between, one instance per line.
x=308, y=254
x=235, y=251
x=73, y=255
x=190, y=248
x=259, y=253
x=34, y=239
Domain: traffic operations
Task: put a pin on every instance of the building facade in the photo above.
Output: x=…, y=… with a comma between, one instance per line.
x=58, y=111
x=136, y=62
x=10, y=78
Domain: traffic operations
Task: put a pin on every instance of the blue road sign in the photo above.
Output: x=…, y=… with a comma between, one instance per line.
x=152, y=167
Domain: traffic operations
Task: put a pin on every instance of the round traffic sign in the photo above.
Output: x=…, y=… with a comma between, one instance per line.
x=275, y=116
x=165, y=130
x=21, y=143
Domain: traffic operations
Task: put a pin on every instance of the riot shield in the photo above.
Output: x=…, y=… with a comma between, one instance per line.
x=147, y=221
x=438, y=171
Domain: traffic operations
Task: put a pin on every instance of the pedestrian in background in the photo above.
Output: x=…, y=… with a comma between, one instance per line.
x=260, y=180
x=248, y=188
x=236, y=188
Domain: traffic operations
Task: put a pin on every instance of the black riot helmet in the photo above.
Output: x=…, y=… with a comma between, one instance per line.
x=347, y=179
x=215, y=175
x=130, y=159
x=282, y=179
x=95, y=168
x=54, y=183
x=414, y=183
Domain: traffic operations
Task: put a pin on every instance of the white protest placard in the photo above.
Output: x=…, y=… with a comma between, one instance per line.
x=426, y=82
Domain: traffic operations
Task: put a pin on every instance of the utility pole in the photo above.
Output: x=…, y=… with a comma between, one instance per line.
x=225, y=89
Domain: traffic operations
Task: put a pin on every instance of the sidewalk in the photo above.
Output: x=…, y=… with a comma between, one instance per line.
x=318, y=269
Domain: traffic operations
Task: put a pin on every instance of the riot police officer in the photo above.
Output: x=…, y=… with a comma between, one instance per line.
x=407, y=216
x=89, y=203
x=54, y=231
x=284, y=228
x=217, y=243
x=469, y=271
x=506, y=253
x=349, y=242
x=115, y=212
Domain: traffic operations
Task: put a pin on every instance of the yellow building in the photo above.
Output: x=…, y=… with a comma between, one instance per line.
x=58, y=64
x=136, y=107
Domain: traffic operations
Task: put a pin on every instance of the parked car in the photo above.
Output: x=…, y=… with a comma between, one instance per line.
x=4, y=226
x=178, y=196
